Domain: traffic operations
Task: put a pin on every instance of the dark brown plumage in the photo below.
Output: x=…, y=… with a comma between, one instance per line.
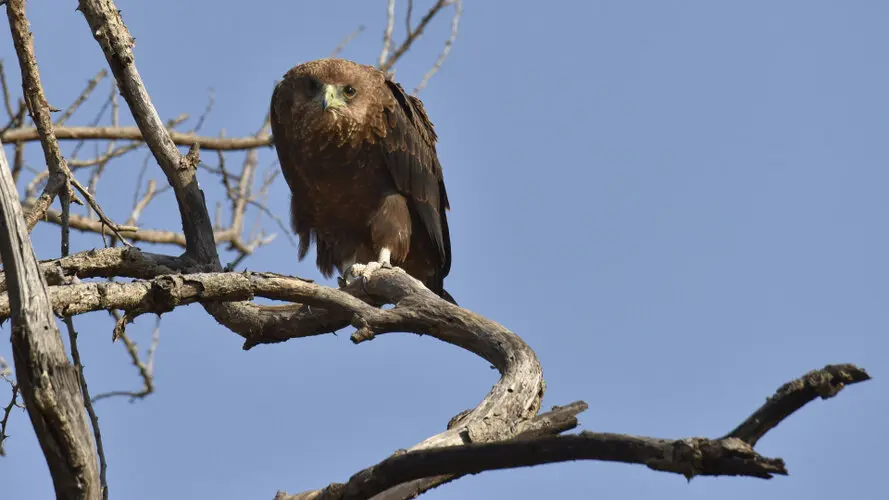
x=358, y=154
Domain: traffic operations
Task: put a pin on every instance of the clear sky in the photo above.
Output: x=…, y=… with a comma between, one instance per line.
x=679, y=205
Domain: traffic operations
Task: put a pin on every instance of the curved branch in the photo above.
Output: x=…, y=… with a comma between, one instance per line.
x=793, y=395
x=504, y=412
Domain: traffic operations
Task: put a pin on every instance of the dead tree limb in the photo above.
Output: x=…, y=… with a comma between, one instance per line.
x=116, y=42
x=504, y=430
x=28, y=134
x=48, y=382
x=731, y=455
x=39, y=109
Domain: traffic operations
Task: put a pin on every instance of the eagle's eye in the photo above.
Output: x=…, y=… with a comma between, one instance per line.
x=313, y=85
x=349, y=91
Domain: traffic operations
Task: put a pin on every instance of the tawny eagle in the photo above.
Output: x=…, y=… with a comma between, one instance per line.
x=366, y=185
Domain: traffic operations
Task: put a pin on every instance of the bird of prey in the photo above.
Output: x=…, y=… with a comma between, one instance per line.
x=358, y=154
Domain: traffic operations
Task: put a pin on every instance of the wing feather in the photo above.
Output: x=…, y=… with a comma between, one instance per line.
x=409, y=152
x=281, y=122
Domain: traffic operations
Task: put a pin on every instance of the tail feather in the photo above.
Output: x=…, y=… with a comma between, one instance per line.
x=436, y=284
x=445, y=295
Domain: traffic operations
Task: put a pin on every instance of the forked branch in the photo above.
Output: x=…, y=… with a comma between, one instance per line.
x=732, y=455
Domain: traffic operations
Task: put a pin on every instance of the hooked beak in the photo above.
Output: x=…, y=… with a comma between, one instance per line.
x=329, y=98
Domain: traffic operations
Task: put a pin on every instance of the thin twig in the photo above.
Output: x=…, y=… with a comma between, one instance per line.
x=110, y=155
x=407, y=17
x=206, y=112
x=65, y=198
x=150, y=193
x=19, y=158
x=6, y=411
x=17, y=119
x=6, y=102
x=28, y=134
x=110, y=102
x=351, y=36
x=146, y=369
x=115, y=228
x=414, y=35
x=455, y=22
x=94, y=419
x=91, y=85
x=387, y=35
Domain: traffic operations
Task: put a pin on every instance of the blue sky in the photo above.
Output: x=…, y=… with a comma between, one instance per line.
x=679, y=206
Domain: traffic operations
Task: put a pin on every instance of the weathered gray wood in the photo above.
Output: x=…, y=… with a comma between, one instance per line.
x=790, y=397
x=48, y=381
x=731, y=455
x=116, y=42
x=38, y=107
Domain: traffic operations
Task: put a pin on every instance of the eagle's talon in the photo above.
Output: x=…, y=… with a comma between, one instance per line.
x=369, y=269
x=365, y=272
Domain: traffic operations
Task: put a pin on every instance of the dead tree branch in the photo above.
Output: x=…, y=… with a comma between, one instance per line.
x=504, y=430
x=145, y=369
x=49, y=383
x=8, y=410
x=90, y=86
x=351, y=36
x=387, y=35
x=455, y=24
x=39, y=109
x=413, y=35
x=732, y=455
x=116, y=42
x=28, y=134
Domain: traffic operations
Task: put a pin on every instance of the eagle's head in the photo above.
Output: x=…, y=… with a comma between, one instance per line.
x=334, y=96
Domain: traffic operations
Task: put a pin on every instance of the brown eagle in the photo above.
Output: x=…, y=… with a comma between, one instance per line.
x=366, y=185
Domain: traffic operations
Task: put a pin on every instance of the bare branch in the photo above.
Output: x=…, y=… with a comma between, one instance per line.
x=387, y=35
x=200, y=122
x=134, y=233
x=351, y=36
x=106, y=222
x=146, y=369
x=116, y=42
x=414, y=35
x=455, y=22
x=65, y=198
x=39, y=108
x=29, y=134
x=140, y=204
x=696, y=456
x=6, y=102
x=107, y=263
x=790, y=397
x=94, y=419
x=48, y=382
x=107, y=156
x=91, y=85
x=727, y=456
x=6, y=412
